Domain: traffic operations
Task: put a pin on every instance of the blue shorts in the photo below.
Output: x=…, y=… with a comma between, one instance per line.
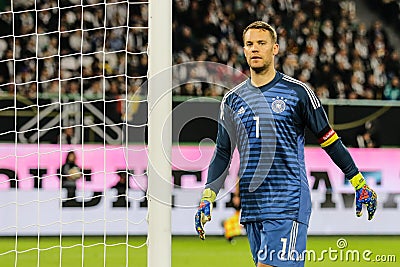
x=277, y=242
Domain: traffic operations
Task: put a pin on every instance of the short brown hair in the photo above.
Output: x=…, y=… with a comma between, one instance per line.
x=262, y=26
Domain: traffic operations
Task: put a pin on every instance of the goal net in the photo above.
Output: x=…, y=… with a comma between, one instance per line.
x=68, y=68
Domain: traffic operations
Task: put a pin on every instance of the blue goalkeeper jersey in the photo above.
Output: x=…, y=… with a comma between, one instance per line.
x=267, y=126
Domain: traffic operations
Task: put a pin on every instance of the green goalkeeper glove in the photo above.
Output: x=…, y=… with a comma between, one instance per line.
x=203, y=213
x=364, y=195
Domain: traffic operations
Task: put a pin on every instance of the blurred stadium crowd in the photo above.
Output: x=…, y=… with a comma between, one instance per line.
x=101, y=50
x=388, y=9
x=322, y=43
x=91, y=54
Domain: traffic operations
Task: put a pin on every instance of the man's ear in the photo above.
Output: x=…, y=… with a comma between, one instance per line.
x=276, y=49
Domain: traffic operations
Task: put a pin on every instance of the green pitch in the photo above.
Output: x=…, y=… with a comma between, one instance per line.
x=190, y=251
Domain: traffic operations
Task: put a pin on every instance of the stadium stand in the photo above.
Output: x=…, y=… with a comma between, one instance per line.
x=389, y=10
x=322, y=43
x=59, y=56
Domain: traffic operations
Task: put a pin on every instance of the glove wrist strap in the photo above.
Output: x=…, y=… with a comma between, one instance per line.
x=209, y=195
x=358, y=181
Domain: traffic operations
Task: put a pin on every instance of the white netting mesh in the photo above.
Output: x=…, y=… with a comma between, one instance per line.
x=67, y=70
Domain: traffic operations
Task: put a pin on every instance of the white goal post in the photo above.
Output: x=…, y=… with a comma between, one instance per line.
x=159, y=192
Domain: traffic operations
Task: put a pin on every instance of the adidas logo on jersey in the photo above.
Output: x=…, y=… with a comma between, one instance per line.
x=240, y=111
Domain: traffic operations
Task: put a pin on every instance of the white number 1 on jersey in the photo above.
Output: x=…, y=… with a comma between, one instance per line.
x=257, y=119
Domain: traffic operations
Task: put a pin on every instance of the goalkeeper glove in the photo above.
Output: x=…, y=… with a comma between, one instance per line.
x=364, y=195
x=203, y=213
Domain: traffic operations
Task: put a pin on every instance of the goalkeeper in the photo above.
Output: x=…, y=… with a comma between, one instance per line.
x=265, y=117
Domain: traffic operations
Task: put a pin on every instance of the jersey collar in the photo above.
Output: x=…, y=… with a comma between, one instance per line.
x=267, y=86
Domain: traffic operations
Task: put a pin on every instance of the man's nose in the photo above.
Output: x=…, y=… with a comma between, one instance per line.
x=254, y=48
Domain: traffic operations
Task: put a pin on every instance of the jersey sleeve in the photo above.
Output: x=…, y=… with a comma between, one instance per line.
x=314, y=115
x=315, y=119
x=225, y=145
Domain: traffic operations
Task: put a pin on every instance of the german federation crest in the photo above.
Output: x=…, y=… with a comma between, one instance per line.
x=278, y=104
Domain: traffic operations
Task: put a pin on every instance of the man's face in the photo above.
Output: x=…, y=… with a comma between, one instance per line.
x=259, y=49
